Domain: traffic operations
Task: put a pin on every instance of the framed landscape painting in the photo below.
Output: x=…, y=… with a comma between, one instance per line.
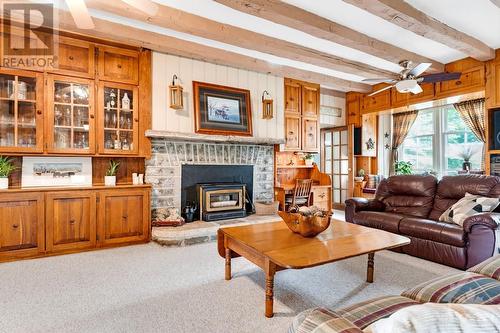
x=221, y=110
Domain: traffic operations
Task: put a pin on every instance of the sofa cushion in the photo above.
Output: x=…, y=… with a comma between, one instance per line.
x=440, y=232
x=490, y=268
x=379, y=220
x=463, y=288
x=452, y=188
x=364, y=313
x=321, y=320
x=408, y=195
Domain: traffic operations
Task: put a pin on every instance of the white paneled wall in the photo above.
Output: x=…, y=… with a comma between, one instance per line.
x=335, y=99
x=189, y=70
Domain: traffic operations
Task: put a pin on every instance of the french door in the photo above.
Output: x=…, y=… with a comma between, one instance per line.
x=335, y=162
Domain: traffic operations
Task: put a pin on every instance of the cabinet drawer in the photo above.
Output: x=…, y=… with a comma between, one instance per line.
x=70, y=220
x=118, y=65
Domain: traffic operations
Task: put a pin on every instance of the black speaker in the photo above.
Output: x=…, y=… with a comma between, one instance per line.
x=357, y=141
x=496, y=129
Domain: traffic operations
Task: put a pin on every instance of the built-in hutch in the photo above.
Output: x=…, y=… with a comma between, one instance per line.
x=97, y=103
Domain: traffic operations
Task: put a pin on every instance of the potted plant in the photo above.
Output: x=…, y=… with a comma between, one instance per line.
x=361, y=175
x=110, y=178
x=403, y=168
x=308, y=159
x=6, y=168
x=466, y=154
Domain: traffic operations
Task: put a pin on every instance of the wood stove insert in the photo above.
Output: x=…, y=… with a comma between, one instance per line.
x=219, y=201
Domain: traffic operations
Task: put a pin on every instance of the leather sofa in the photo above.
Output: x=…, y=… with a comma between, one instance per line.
x=411, y=205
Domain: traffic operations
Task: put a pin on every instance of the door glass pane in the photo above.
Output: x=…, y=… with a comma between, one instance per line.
x=336, y=138
x=336, y=167
x=328, y=138
x=26, y=88
x=343, y=152
x=343, y=196
x=7, y=123
x=344, y=166
x=343, y=137
x=344, y=181
x=7, y=84
x=26, y=123
x=336, y=196
x=336, y=152
x=328, y=166
x=336, y=181
x=328, y=152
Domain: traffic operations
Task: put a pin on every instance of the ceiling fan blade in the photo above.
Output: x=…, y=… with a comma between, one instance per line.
x=438, y=77
x=419, y=69
x=80, y=13
x=380, y=90
x=417, y=90
x=380, y=80
x=145, y=6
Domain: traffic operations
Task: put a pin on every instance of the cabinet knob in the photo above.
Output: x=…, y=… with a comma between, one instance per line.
x=39, y=112
x=72, y=221
x=15, y=226
x=125, y=217
x=136, y=120
x=91, y=116
x=119, y=66
x=71, y=58
x=290, y=133
x=458, y=82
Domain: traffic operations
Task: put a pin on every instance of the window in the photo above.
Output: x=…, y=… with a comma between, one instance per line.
x=418, y=145
x=437, y=142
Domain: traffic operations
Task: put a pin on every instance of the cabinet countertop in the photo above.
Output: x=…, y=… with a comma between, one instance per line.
x=73, y=188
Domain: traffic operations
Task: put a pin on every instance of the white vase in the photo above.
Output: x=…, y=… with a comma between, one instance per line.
x=4, y=183
x=308, y=162
x=110, y=180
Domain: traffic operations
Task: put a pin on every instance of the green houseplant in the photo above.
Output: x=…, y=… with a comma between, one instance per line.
x=308, y=159
x=110, y=178
x=361, y=175
x=403, y=168
x=6, y=168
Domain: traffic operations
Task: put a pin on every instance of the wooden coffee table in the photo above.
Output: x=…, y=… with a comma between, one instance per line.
x=273, y=247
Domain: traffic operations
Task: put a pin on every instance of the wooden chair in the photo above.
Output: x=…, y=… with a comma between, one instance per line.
x=301, y=194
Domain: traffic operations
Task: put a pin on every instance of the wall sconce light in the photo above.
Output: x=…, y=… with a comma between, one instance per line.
x=267, y=106
x=176, y=100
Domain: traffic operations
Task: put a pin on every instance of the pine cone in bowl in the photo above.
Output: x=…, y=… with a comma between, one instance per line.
x=306, y=221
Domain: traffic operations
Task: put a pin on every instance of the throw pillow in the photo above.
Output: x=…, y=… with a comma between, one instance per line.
x=468, y=206
x=449, y=318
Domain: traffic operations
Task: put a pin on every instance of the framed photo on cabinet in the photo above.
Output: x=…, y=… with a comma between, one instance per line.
x=221, y=110
x=56, y=171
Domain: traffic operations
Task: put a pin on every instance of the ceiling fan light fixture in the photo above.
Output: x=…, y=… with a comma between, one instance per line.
x=407, y=86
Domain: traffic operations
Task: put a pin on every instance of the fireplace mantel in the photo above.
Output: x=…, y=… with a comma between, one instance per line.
x=178, y=136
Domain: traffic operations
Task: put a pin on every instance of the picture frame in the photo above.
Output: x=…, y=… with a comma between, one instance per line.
x=56, y=171
x=221, y=110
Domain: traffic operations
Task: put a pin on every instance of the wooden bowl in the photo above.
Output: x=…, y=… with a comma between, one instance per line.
x=306, y=226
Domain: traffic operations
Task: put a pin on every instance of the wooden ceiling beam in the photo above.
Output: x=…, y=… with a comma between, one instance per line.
x=158, y=42
x=294, y=17
x=184, y=22
x=496, y=3
x=407, y=17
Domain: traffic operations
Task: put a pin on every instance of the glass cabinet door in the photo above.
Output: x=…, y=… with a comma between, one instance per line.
x=118, y=119
x=71, y=116
x=21, y=122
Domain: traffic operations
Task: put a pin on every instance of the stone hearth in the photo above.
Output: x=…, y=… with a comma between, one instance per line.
x=201, y=232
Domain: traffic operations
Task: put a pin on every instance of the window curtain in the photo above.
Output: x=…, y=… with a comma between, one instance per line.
x=472, y=113
x=401, y=125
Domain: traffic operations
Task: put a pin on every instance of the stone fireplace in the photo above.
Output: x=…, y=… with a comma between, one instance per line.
x=231, y=161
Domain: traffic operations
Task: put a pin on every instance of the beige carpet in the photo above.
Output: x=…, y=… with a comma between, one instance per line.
x=149, y=288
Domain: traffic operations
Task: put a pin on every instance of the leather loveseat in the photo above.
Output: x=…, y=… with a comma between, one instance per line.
x=411, y=205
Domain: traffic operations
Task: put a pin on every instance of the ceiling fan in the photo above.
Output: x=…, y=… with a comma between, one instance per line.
x=409, y=78
x=83, y=20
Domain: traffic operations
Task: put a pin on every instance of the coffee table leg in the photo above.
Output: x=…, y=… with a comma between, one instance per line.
x=369, y=273
x=228, y=264
x=270, y=271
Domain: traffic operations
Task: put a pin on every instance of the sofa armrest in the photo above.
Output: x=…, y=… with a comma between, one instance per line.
x=321, y=320
x=490, y=220
x=354, y=205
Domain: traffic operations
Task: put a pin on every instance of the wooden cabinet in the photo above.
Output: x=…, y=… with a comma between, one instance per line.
x=493, y=85
x=471, y=79
x=118, y=119
x=70, y=220
x=21, y=111
x=369, y=135
x=75, y=57
x=118, y=65
x=122, y=217
x=70, y=119
x=322, y=197
x=292, y=97
x=378, y=102
x=399, y=99
x=21, y=225
x=353, y=107
x=310, y=100
x=310, y=134
x=301, y=116
x=292, y=134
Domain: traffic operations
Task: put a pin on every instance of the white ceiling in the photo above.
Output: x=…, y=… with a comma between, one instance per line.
x=478, y=18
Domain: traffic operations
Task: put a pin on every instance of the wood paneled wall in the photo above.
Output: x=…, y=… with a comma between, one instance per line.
x=189, y=70
x=332, y=98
